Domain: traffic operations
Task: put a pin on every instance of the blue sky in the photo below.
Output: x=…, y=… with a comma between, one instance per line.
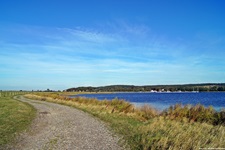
x=68, y=43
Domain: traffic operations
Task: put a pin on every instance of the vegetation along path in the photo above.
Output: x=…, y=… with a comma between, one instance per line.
x=62, y=127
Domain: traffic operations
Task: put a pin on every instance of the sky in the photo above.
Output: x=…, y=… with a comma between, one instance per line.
x=59, y=44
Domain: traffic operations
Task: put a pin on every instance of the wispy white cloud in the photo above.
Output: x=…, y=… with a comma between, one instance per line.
x=123, y=54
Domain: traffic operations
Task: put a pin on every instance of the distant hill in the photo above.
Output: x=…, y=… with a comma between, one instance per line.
x=132, y=88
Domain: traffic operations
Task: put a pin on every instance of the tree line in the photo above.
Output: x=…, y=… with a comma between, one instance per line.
x=206, y=87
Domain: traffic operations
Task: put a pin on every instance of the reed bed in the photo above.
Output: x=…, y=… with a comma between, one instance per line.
x=179, y=127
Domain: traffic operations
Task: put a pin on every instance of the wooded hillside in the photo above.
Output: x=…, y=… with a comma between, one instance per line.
x=155, y=88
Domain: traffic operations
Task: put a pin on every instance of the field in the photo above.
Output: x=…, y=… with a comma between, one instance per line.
x=188, y=127
x=15, y=117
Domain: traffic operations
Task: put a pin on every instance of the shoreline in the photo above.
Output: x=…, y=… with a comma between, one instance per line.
x=146, y=124
x=157, y=104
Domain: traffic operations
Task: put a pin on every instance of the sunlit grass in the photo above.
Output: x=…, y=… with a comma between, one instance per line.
x=146, y=128
x=15, y=117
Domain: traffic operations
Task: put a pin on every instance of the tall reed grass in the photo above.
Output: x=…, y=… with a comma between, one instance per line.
x=197, y=113
x=179, y=127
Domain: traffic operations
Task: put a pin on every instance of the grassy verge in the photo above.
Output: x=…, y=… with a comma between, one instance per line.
x=15, y=117
x=145, y=128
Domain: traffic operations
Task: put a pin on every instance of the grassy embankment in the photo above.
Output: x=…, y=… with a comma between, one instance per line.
x=15, y=117
x=189, y=127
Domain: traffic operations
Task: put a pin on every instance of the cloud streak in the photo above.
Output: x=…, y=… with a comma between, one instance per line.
x=121, y=55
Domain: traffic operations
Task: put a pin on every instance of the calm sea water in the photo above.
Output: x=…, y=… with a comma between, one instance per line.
x=164, y=100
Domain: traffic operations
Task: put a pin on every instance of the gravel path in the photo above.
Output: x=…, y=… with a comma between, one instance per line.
x=65, y=128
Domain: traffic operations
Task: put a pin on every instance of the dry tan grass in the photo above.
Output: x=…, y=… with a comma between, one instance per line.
x=144, y=129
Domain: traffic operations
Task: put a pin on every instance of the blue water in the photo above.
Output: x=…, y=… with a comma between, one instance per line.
x=164, y=100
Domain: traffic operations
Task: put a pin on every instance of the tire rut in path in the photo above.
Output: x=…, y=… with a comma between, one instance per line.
x=65, y=128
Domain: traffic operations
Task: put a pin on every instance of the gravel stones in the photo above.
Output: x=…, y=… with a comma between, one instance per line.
x=65, y=128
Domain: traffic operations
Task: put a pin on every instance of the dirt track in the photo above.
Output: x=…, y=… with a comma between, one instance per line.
x=65, y=128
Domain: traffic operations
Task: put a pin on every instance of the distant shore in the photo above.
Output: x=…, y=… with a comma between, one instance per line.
x=203, y=87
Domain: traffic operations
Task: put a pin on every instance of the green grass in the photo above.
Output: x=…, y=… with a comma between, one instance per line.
x=162, y=133
x=145, y=128
x=15, y=117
